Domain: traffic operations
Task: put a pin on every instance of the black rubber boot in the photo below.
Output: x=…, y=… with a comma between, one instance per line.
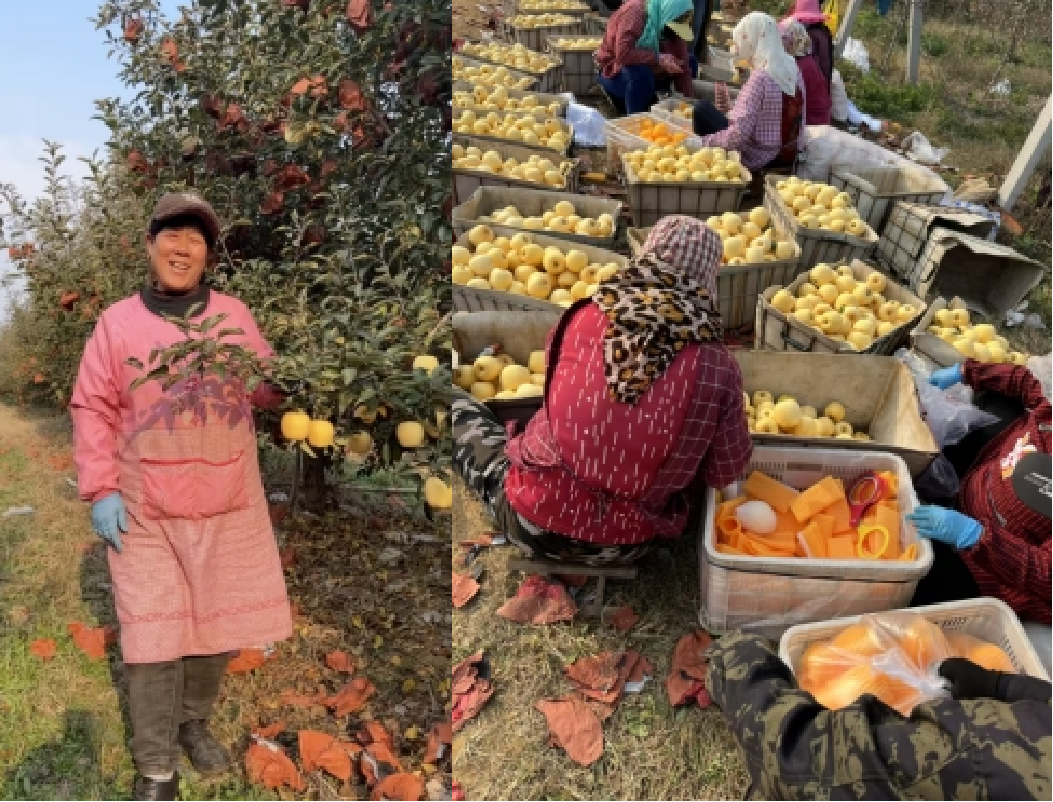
x=146, y=788
x=207, y=755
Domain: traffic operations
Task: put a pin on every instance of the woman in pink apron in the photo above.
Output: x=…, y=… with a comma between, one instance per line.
x=179, y=498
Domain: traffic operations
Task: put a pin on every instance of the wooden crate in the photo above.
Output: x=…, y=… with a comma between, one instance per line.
x=875, y=190
x=579, y=67
x=465, y=182
x=817, y=245
x=533, y=202
x=738, y=286
x=776, y=331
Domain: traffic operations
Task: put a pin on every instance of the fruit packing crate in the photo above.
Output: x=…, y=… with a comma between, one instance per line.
x=650, y=202
x=564, y=126
x=877, y=392
x=928, y=345
x=875, y=190
x=576, y=10
x=547, y=81
x=466, y=181
x=595, y=25
x=534, y=39
x=623, y=134
x=985, y=618
x=518, y=333
x=778, y=331
x=470, y=299
x=817, y=245
x=531, y=202
x=739, y=286
x=529, y=80
x=579, y=66
x=564, y=100
x=770, y=594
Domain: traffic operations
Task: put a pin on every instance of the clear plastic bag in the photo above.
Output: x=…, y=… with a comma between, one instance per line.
x=589, y=126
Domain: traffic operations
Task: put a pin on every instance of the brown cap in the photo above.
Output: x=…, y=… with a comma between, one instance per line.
x=180, y=204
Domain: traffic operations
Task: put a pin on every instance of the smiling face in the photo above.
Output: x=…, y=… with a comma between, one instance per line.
x=179, y=256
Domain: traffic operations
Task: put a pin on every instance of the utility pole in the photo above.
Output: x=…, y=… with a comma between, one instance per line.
x=1038, y=142
x=846, y=27
x=914, y=42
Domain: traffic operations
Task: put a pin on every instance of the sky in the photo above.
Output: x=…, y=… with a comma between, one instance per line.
x=54, y=66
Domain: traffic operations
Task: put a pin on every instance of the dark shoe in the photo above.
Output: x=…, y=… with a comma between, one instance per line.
x=145, y=788
x=206, y=754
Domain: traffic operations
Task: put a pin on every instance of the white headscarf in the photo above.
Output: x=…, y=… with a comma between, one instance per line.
x=756, y=40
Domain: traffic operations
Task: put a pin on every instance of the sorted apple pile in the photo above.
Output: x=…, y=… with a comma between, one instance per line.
x=818, y=205
x=535, y=170
x=834, y=302
x=772, y=519
x=767, y=414
x=552, y=5
x=750, y=240
x=551, y=133
x=542, y=20
x=979, y=341
x=668, y=163
x=496, y=375
x=908, y=647
x=516, y=56
x=489, y=74
x=496, y=98
x=588, y=43
x=561, y=218
x=518, y=265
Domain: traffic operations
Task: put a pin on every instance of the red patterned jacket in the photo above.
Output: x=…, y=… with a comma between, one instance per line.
x=1012, y=559
x=609, y=473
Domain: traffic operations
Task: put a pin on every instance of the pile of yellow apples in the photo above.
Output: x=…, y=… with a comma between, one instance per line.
x=541, y=21
x=561, y=218
x=495, y=98
x=587, y=43
x=516, y=56
x=522, y=267
x=489, y=74
x=819, y=205
x=843, y=308
x=749, y=239
x=536, y=170
x=671, y=163
x=552, y=5
x=766, y=414
x=685, y=111
x=979, y=341
x=499, y=377
x=550, y=133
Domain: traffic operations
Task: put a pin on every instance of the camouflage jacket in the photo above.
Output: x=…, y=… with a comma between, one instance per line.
x=797, y=749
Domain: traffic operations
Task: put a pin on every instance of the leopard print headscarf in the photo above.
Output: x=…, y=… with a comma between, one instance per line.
x=663, y=300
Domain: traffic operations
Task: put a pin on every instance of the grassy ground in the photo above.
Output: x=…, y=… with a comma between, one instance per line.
x=63, y=733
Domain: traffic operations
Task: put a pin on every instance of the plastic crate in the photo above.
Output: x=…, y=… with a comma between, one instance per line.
x=776, y=331
x=874, y=190
x=570, y=10
x=989, y=619
x=470, y=299
x=564, y=126
x=595, y=25
x=526, y=81
x=532, y=202
x=817, y=245
x=563, y=100
x=769, y=595
x=650, y=202
x=623, y=133
x=465, y=182
x=579, y=68
x=547, y=81
x=928, y=345
x=738, y=286
x=534, y=38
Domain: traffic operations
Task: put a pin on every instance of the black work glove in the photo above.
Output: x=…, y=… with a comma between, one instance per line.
x=968, y=680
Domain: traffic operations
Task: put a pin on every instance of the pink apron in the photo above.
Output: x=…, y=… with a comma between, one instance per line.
x=199, y=571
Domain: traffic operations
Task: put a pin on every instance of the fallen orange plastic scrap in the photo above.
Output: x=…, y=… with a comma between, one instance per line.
x=440, y=736
x=270, y=730
x=399, y=786
x=687, y=675
x=319, y=750
x=340, y=661
x=623, y=619
x=574, y=727
x=92, y=640
x=471, y=689
x=44, y=648
x=269, y=766
x=464, y=589
x=539, y=601
x=246, y=660
x=351, y=698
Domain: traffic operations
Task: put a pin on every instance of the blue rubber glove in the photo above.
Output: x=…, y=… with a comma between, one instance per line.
x=947, y=377
x=947, y=526
x=109, y=519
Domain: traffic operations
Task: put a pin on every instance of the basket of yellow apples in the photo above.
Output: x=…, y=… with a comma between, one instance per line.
x=946, y=335
x=546, y=68
x=479, y=162
x=579, y=69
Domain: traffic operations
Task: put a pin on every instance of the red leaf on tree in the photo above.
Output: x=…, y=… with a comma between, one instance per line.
x=304, y=4
x=360, y=15
x=270, y=767
x=399, y=786
x=340, y=661
x=137, y=163
x=246, y=660
x=233, y=117
x=301, y=86
x=287, y=557
x=314, y=235
x=170, y=52
x=351, y=698
x=291, y=177
x=328, y=168
x=44, y=648
x=273, y=203
x=133, y=29
x=351, y=96
x=68, y=299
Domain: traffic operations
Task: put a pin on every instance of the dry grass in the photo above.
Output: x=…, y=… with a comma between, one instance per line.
x=651, y=751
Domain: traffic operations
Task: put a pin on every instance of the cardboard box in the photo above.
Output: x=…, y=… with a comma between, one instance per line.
x=907, y=233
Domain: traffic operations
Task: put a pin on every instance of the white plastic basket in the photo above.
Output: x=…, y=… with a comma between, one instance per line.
x=767, y=594
x=985, y=618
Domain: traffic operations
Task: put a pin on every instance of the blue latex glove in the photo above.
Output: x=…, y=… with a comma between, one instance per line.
x=947, y=377
x=947, y=526
x=109, y=519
